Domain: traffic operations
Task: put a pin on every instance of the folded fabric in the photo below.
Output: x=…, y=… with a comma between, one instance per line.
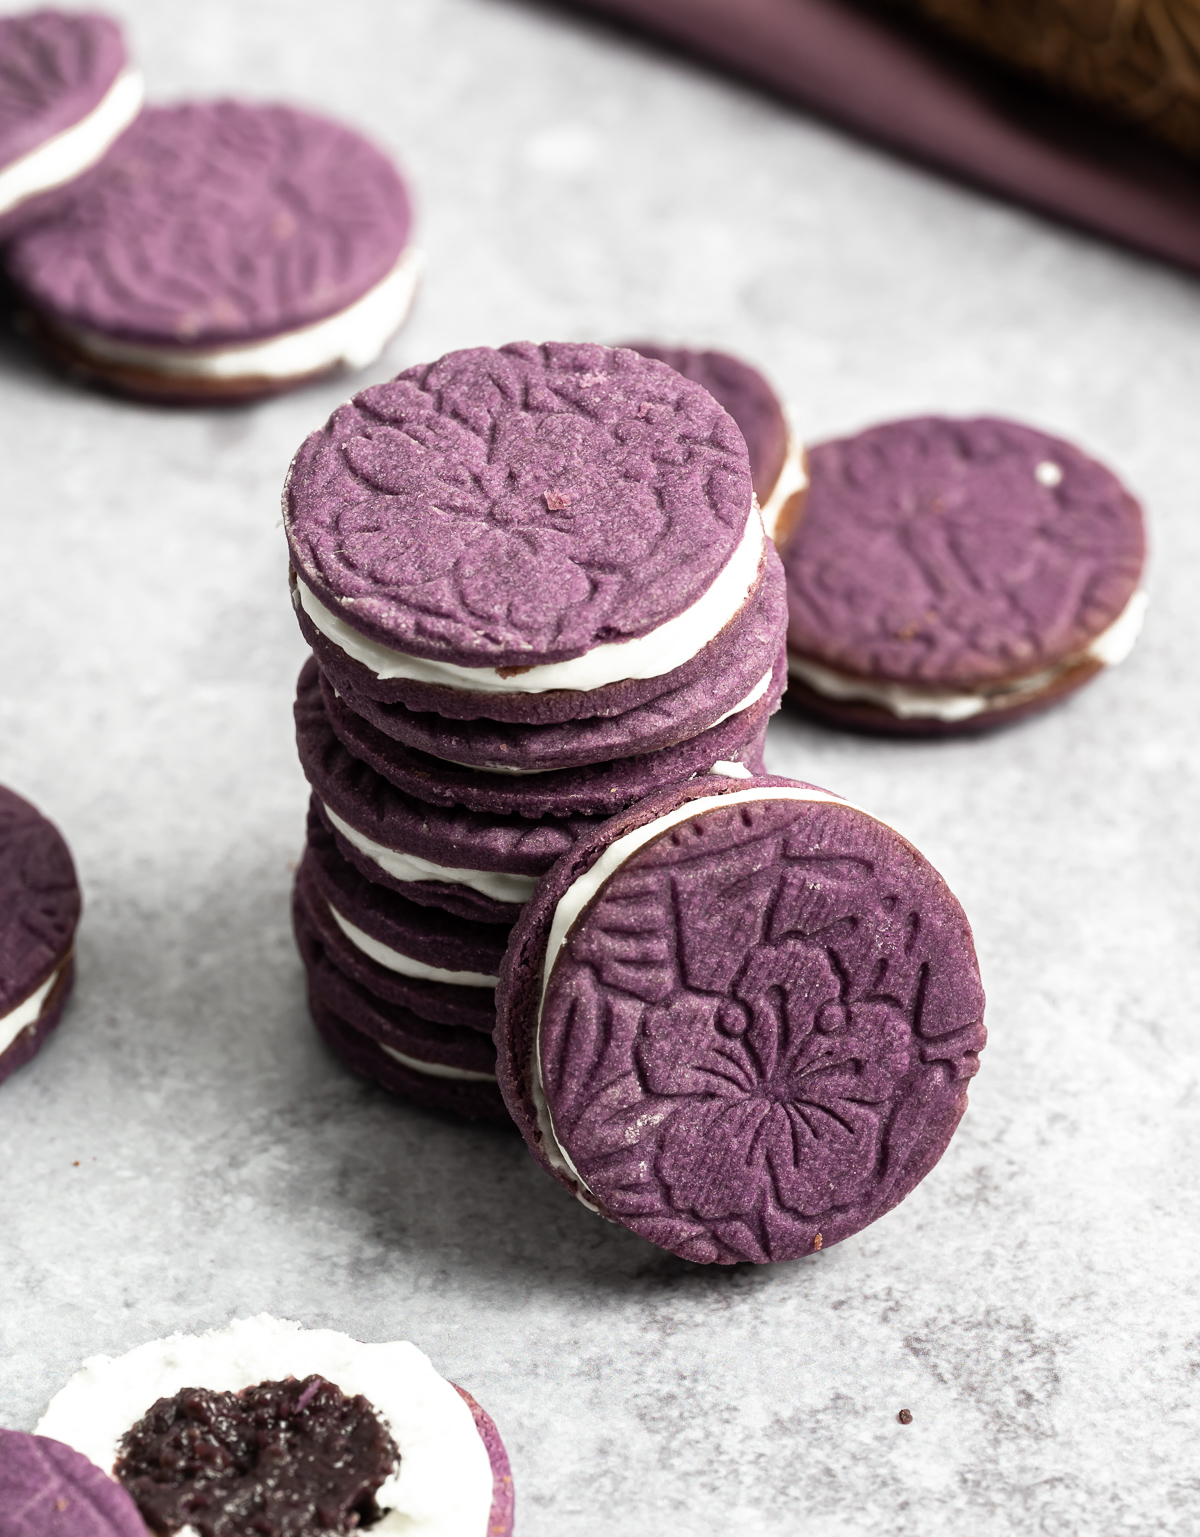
x=897, y=84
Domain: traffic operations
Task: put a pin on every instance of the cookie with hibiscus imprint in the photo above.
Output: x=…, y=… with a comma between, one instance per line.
x=47, y=1489
x=741, y=1020
x=470, y=863
x=534, y=536
x=67, y=91
x=591, y=790
x=953, y=575
x=777, y=458
x=448, y=995
x=359, y=1435
x=39, y=910
x=223, y=250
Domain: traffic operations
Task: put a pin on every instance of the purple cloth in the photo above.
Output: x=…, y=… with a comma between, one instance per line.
x=935, y=103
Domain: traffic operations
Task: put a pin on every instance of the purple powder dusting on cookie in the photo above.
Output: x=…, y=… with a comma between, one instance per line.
x=217, y=223
x=955, y=554
x=419, y=511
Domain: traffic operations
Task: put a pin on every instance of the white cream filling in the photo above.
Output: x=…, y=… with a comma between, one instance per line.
x=793, y=477
x=436, y=1069
x=752, y=698
x=72, y=151
x=577, y=897
x=443, y=1487
x=27, y=1012
x=664, y=649
x=1111, y=648
x=355, y=336
x=729, y=770
x=411, y=867
x=406, y=965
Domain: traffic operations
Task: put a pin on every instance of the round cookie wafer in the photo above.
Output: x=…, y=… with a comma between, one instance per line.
x=223, y=250
x=596, y=789
x=39, y=909
x=67, y=90
x=953, y=575
x=740, y=1020
x=525, y=527
x=48, y=1489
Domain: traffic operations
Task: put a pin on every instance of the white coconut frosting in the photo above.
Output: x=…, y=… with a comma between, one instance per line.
x=436, y=1069
x=28, y=1011
x=793, y=477
x=406, y=965
x=69, y=153
x=665, y=648
x=411, y=867
x=1110, y=648
x=580, y=894
x=443, y=1487
x=353, y=337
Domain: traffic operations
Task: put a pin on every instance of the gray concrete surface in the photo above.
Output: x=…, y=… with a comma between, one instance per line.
x=1034, y=1303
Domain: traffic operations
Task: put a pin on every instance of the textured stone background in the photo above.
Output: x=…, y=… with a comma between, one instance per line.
x=1034, y=1303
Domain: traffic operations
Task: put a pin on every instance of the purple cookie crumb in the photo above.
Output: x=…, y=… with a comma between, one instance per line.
x=747, y=397
x=758, y=1036
x=215, y=224
x=518, y=507
x=48, y=1489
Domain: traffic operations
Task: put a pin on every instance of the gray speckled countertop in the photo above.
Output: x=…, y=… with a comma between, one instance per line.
x=1034, y=1303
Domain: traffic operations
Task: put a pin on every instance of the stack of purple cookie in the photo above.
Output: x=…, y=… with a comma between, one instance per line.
x=537, y=589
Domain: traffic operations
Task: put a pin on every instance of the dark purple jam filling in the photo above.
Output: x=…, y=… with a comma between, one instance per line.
x=283, y=1459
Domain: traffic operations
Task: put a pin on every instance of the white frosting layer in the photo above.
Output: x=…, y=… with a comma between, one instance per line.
x=444, y=1484
x=755, y=694
x=649, y=656
x=355, y=336
x=71, y=152
x=577, y=897
x=1111, y=647
x=731, y=770
x=406, y=965
x=793, y=477
x=436, y=1069
x=27, y=1012
x=411, y=867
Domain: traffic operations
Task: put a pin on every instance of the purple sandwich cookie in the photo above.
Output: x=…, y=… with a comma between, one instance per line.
x=472, y=864
x=472, y=1099
x=741, y=1020
x=265, y=1426
x=451, y=1052
x=39, y=909
x=67, y=90
x=223, y=251
x=48, y=1489
x=524, y=526
x=753, y=673
x=777, y=458
x=953, y=575
x=724, y=670
x=387, y=972
x=594, y=790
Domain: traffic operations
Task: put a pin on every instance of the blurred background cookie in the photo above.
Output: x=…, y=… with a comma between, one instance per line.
x=222, y=251
x=953, y=575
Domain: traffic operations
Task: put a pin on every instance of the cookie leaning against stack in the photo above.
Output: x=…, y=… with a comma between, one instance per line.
x=537, y=588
